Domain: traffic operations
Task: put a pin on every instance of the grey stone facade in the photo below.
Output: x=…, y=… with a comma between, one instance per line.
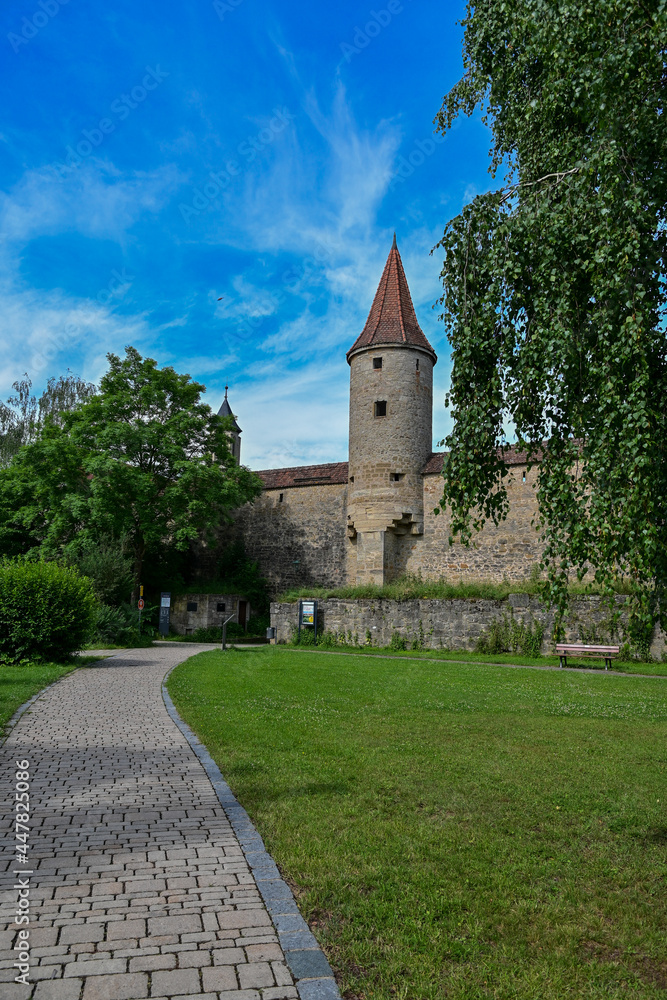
x=444, y=624
x=205, y=611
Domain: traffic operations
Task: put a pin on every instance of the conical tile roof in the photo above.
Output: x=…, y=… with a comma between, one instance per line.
x=392, y=319
x=226, y=411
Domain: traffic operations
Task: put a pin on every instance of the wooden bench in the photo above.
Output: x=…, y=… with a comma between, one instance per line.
x=565, y=649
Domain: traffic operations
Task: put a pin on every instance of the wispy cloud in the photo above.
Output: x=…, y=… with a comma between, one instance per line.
x=96, y=200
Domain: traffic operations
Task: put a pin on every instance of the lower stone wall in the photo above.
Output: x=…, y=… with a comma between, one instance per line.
x=454, y=624
x=206, y=610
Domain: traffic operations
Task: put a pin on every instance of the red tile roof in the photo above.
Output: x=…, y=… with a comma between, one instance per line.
x=433, y=466
x=337, y=473
x=392, y=319
x=305, y=475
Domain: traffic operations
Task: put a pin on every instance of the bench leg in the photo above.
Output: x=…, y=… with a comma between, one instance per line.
x=563, y=661
x=607, y=664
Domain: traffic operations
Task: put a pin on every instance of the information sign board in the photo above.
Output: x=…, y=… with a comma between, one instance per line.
x=165, y=604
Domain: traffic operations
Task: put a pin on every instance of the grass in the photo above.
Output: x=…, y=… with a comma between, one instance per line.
x=19, y=683
x=410, y=587
x=653, y=668
x=450, y=830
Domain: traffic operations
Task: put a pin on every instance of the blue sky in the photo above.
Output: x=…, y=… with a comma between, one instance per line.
x=156, y=157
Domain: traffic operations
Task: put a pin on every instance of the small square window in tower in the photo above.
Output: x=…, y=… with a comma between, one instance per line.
x=192, y=605
x=377, y=363
x=220, y=607
x=381, y=408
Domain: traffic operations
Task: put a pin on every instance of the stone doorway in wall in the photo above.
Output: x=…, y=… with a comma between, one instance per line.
x=243, y=614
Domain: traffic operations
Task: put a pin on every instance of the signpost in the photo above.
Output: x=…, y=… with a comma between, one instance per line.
x=165, y=604
x=224, y=631
x=140, y=604
x=308, y=616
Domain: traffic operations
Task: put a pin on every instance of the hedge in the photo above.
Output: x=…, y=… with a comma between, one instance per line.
x=47, y=611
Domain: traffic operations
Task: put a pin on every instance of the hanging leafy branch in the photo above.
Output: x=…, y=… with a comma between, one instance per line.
x=554, y=287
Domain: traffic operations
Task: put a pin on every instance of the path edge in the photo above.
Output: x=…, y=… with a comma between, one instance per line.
x=307, y=962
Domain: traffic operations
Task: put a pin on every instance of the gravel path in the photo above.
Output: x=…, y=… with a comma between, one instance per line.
x=139, y=886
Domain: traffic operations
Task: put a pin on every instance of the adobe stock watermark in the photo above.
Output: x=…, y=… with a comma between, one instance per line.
x=206, y=193
x=422, y=149
x=247, y=326
x=378, y=20
x=121, y=107
x=31, y=26
x=224, y=7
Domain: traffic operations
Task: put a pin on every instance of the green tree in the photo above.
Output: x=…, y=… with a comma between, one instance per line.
x=144, y=461
x=23, y=416
x=554, y=286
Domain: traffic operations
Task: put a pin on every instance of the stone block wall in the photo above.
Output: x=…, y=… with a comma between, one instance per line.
x=184, y=622
x=298, y=541
x=441, y=624
x=509, y=550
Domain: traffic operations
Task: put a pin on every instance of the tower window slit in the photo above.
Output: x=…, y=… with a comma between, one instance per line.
x=377, y=363
x=381, y=408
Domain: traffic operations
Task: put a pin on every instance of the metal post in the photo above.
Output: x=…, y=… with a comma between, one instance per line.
x=299, y=635
x=224, y=631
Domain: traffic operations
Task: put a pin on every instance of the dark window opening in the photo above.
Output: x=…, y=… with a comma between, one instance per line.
x=396, y=476
x=221, y=607
x=377, y=362
x=192, y=605
x=524, y=477
x=417, y=364
x=281, y=497
x=381, y=408
x=351, y=479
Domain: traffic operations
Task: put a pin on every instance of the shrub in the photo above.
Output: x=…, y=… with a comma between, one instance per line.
x=397, y=641
x=506, y=635
x=120, y=627
x=105, y=565
x=47, y=611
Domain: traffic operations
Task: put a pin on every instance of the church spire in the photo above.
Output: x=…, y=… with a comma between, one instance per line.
x=392, y=319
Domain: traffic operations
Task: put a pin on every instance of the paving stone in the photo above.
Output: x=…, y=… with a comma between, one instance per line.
x=81, y=933
x=151, y=963
x=282, y=974
x=58, y=989
x=174, y=925
x=221, y=977
x=124, y=929
x=132, y=986
x=264, y=952
x=256, y=974
x=95, y=967
x=280, y=993
x=228, y=956
x=178, y=982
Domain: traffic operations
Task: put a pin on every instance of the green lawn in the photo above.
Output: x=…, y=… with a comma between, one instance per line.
x=451, y=830
x=18, y=684
x=655, y=669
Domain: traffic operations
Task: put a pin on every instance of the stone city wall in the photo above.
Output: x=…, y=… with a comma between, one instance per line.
x=301, y=540
x=445, y=624
x=298, y=541
x=509, y=550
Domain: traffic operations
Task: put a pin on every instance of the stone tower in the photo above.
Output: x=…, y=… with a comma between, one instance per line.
x=234, y=434
x=391, y=417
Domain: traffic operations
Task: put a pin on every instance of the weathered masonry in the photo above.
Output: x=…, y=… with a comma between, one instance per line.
x=372, y=519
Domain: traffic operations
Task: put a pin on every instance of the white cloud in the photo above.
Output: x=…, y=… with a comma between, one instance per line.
x=92, y=199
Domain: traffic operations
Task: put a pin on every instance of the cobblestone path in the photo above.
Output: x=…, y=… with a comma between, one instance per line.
x=139, y=887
